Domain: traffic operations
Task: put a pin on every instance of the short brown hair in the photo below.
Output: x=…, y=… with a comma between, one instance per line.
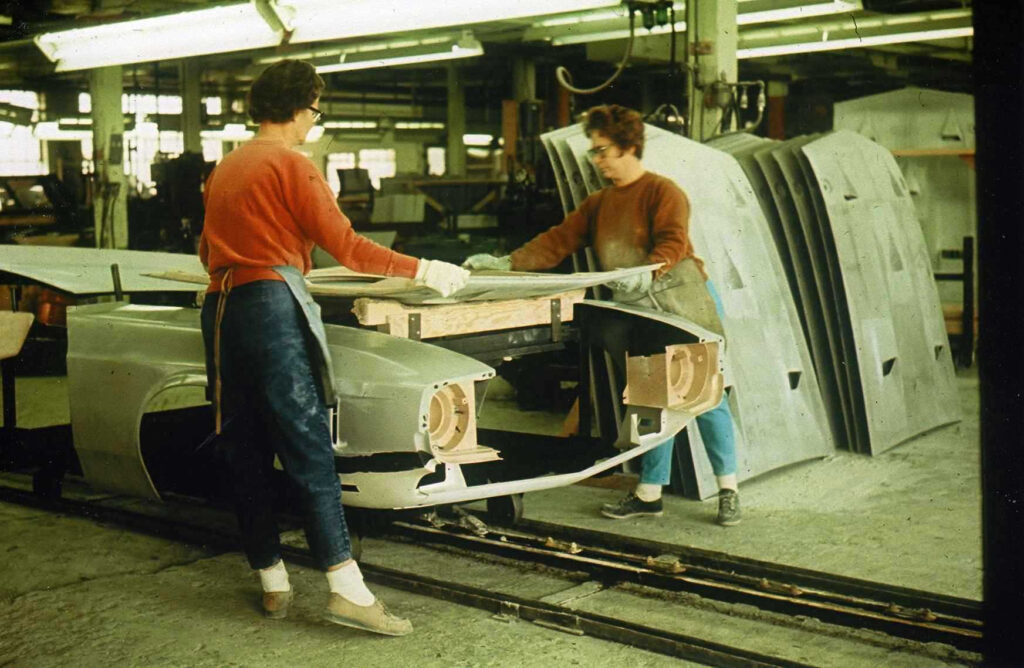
x=282, y=89
x=624, y=126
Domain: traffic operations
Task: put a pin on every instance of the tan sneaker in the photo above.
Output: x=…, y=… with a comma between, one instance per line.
x=374, y=617
x=275, y=603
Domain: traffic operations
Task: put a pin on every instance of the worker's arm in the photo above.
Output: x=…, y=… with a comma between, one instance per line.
x=319, y=218
x=670, y=228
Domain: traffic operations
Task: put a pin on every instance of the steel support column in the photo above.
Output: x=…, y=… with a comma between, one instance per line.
x=110, y=189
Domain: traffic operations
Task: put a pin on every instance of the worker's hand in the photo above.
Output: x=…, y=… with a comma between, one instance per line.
x=444, y=277
x=488, y=261
x=635, y=283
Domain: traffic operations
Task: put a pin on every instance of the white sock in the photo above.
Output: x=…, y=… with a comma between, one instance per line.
x=347, y=581
x=275, y=578
x=727, y=482
x=648, y=491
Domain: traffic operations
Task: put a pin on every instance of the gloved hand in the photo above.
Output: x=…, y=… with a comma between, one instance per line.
x=635, y=283
x=488, y=261
x=444, y=277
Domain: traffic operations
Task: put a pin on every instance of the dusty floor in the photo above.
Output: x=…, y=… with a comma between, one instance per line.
x=77, y=593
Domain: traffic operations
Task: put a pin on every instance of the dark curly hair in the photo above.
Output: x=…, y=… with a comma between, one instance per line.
x=624, y=126
x=282, y=89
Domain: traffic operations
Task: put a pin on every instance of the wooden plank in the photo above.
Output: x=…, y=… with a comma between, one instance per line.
x=465, y=318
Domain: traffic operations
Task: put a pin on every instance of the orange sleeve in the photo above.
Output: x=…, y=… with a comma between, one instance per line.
x=548, y=249
x=318, y=216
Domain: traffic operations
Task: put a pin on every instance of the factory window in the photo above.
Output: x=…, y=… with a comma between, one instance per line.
x=21, y=151
x=378, y=162
x=435, y=161
x=336, y=161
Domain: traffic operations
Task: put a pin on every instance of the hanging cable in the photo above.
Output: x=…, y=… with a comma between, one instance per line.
x=565, y=78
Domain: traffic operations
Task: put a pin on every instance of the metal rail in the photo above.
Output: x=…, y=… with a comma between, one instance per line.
x=905, y=613
x=537, y=611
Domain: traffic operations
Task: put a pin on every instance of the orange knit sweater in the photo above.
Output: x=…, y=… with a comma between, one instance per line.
x=644, y=222
x=267, y=205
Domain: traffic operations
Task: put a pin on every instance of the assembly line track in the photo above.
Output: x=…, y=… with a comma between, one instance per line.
x=613, y=559
x=552, y=616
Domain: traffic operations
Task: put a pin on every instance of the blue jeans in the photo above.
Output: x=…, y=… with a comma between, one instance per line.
x=271, y=404
x=716, y=429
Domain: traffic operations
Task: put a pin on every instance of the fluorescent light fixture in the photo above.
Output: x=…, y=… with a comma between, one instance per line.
x=320, y=20
x=419, y=125
x=853, y=42
x=766, y=11
x=477, y=140
x=350, y=125
x=466, y=46
x=75, y=120
x=639, y=32
x=215, y=30
x=315, y=134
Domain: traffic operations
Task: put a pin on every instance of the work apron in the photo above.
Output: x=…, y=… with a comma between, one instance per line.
x=681, y=291
x=320, y=357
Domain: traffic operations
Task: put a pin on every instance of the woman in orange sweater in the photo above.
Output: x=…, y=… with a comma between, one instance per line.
x=267, y=359
x=641, y=218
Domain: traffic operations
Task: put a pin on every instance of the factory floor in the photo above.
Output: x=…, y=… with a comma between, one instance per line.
x=74, y=592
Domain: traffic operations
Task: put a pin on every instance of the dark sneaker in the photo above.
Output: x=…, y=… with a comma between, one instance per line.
x=373, y=617
x=728, y=508
x=631, y=506
x=275, y=603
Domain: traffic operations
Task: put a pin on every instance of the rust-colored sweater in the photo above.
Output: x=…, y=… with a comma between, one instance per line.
x=267, y=205
x=644, y=222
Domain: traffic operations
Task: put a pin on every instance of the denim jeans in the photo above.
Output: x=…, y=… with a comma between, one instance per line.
x=271, y=405
x=716, y=430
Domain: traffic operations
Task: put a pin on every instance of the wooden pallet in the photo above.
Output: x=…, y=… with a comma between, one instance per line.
x=397, y=319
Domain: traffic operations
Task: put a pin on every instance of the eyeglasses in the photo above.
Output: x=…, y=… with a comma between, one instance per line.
x=599, y=151
x=317, y=114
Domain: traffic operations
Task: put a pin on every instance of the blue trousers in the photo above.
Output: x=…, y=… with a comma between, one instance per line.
x=271, y=405
x=716, y=429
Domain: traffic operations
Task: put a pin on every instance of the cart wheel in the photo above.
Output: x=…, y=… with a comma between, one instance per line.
x=506, y=510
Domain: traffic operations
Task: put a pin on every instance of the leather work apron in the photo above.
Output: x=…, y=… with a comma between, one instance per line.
x=320, y=358
x=682, y=291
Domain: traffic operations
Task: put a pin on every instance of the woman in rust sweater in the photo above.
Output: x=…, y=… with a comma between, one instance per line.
x=641, y=218
x=267, y=358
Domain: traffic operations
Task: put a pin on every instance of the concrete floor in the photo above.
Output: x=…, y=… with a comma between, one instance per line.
x=77, y=593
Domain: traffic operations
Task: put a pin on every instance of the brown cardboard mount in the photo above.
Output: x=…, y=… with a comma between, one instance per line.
x=686, y=376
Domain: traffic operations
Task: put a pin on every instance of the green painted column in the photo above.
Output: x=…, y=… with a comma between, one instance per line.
x=110, y=188
x=456, y=150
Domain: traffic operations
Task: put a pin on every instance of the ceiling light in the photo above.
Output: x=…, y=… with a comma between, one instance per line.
x=766, y=11
x=465, y=47
x=853, y=42
x=350, y=125
x=622, y=33
x=316, y=20
x=194, y=33
x=419, y=125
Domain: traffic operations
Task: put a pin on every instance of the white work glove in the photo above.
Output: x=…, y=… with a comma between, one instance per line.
x=635, y=283
x=488, y=261
x=444, y=277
